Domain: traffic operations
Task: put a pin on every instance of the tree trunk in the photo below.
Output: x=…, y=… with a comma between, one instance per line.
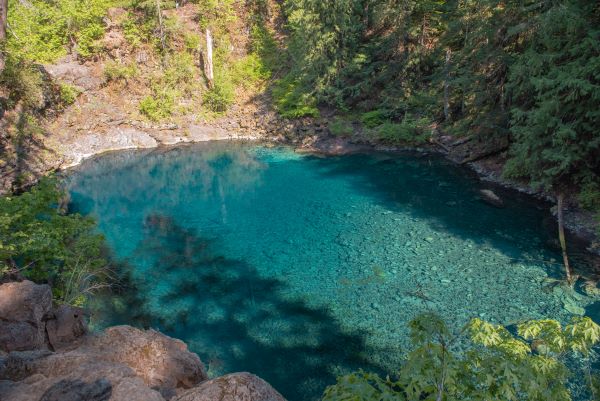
x=447, y=86
x=208, y=65
x=561, y=237
x=160, y=27
x=3, y=23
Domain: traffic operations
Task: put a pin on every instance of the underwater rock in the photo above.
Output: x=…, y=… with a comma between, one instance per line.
x=488, y=196
x=233, y=387
x=23, y=306
x=572, y=307
x=591, y=289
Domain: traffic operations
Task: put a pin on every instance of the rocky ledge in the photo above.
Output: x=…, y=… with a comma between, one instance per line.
x=47, y=354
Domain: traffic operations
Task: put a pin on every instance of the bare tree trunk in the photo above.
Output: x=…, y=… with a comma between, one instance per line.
x=561, y=237
x=208, y=65
x=447, y=85
x=442, y=382
x=3, y=23
x=160, y=26
x=423, y=27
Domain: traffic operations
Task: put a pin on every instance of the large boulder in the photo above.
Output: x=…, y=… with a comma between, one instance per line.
x=94, y=381
x=69, y=70
x=233, y=387
x=23, y=308
x=161, y=361
x=65, y=325
x=135, y=364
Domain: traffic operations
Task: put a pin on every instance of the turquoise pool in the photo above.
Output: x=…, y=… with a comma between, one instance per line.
x=299, y=268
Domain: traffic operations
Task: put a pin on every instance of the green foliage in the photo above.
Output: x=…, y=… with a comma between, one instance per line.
x=159, y=107
x=249, y=71
x=44, y=31
x=191, y=42
x=136, y=29
x=216, y=14
x=408, y=131
x=169, y=86
x=341, y=127
x=497, y=365
x=116, y=71
x=25, y=83
x=556, y=89
x=373, y=118
x=292, y=101
x=48, y=245
x=264, y=46
x=68, y=94
x=222, y=95
x=517, y=72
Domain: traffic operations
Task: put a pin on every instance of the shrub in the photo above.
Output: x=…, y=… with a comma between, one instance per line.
x=249, y=71
x=180, y=73
x=159, y=107
x=24, y=82
x=38, y=238
x=220, y=97
x=87, y=40
x=292, y=100
x=191, y=42
x=134, y=30
x=68, y=94
x=43, y=31
x=263, y=45
x=115, y=71
x=496, y=366
x=341, y=127
x=409, y=131
x=372, y=119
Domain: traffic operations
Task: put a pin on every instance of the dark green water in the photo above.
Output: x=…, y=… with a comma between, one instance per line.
x=300, y=268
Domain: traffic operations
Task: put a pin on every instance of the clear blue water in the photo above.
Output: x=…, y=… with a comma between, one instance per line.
x=300, y=268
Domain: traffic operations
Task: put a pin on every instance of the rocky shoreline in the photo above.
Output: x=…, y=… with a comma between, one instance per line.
x=306, y=136
x=47, y=354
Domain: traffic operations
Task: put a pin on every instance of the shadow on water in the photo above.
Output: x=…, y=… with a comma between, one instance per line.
x=438, y=191
x=232, y=317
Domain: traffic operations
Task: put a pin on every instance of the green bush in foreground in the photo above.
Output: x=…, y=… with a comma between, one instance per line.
x=45, y=244
x=497, y=366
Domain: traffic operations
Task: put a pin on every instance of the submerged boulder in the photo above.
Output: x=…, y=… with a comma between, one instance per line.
x=490, y=197
x=233, y=387
x=23, y=308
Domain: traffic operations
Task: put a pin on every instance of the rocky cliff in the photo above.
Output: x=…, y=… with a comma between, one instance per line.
x=47, y=354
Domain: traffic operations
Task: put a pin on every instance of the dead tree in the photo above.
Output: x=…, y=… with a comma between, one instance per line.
x=561, y=236
x=208, y=61
x=3, y=22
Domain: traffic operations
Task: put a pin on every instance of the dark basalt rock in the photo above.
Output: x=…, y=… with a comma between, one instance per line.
x=78, y=390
